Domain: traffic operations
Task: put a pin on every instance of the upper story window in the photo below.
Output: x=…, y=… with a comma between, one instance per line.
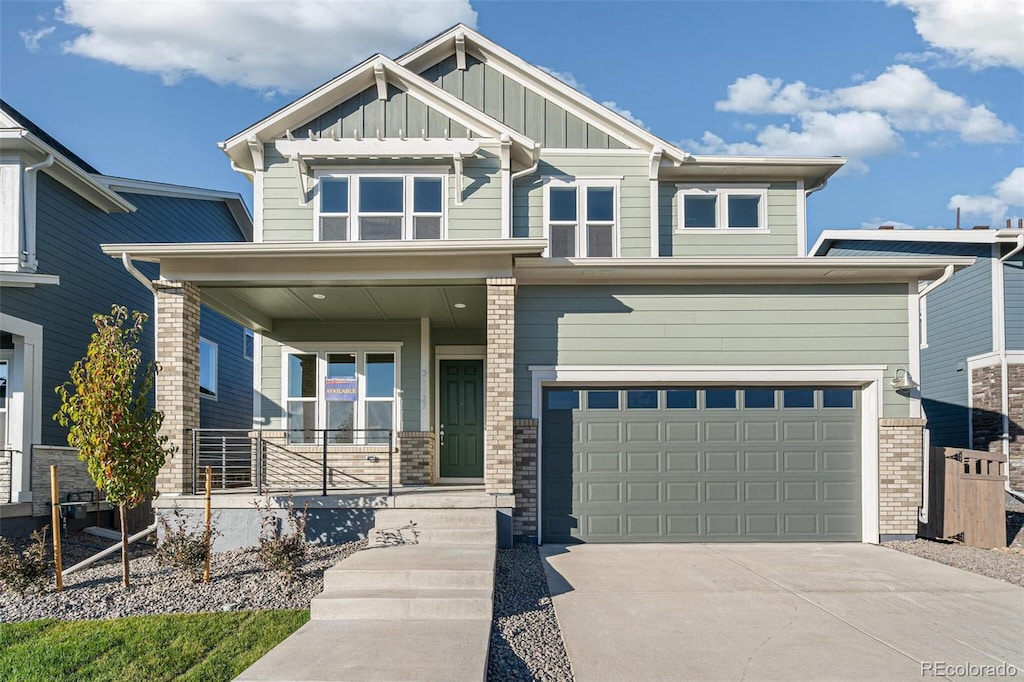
x=581, y=218
x=732, y=208
x=369, y=207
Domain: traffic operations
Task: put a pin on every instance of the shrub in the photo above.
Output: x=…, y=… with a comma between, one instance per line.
x=21, y=571
x=280, y=550
x=183, y=545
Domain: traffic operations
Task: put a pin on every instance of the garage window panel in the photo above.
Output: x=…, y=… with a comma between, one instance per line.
x=602, y=400
x=720, y=399
x=759, y=398
x=798, y=398
x=563, y=400
x=642, y=400
x=681, y=399
x=837, y=397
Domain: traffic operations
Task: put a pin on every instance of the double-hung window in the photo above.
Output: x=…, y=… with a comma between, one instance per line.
x=372, y=207
x=352, y=393
x=733, y=208
x=207, y=369
x=581, y=218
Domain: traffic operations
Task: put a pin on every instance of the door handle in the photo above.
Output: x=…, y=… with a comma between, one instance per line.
x=441, y=434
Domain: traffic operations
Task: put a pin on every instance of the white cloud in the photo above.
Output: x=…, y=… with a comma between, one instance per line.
x=1011, y=188
x=856, y=134
x=259, y=45
x=978, y=33
x=906, y=96
x=1005, y=193
x=570, y=80
x=32, y=39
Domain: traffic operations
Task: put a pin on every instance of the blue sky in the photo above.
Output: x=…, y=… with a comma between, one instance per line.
x=925, y=96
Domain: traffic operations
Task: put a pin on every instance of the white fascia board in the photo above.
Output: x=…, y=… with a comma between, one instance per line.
x=412, y=146
x=153, y=252
x=547, y=85
x=352, y=82
x=235, y=203
x=67, y=172
x=26, y=279
x=732, y=269
x=812, y=169
x=824, y=243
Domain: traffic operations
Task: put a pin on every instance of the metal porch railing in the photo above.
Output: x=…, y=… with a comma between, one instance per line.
x=265, y=459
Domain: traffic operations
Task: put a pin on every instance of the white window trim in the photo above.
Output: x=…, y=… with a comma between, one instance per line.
x=581, y=184
x=360, y=349
x=408, y=215
x=216, y=369
x=24, y=400
x=723, y=192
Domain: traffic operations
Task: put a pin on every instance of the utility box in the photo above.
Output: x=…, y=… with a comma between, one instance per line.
x=966, y=497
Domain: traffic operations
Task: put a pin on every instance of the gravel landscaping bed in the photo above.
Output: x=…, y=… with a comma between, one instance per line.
x=1002, y=564
x=238, y=581
x=526, y=643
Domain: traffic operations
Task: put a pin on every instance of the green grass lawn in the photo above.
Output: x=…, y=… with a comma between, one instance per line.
x=200, y=646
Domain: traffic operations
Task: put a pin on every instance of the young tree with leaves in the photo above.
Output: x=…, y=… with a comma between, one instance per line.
x=104, y=408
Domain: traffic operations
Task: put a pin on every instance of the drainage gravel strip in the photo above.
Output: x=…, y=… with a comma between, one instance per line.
x=526, y=643
x=239, y=582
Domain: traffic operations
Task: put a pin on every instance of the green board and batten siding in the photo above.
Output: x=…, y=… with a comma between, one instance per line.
x=285, y=218
x=518, y=107
x=781, y=240
x=710, y=325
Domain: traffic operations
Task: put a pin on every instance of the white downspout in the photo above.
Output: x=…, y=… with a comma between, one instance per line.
x=922, y=515
x=1004, y=374
x=512, y=186
x=27, y=257
x=126, y=260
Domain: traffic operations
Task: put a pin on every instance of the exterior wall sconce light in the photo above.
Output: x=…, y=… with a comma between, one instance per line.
x=903, y=381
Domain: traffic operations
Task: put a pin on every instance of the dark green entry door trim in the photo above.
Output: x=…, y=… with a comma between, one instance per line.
x=461, y=418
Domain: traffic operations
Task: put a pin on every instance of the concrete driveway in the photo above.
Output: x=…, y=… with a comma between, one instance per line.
x=779, y=611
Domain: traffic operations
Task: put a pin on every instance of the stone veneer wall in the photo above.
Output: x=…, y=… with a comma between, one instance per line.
x=5, y=476
x=177, y=386
x=72, y=475
x=524, y=452
x=900, y=460
x=498, y=440
x=415, y=458
x=987, y=419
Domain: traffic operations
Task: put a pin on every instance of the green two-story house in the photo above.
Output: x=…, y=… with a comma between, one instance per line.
x=530, y=294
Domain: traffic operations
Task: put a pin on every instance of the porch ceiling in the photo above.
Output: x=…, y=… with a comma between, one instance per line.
x=262, y=307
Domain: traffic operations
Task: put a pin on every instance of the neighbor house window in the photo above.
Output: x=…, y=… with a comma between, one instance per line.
x=347, y=392
x=207, y=369
x=373, y=207
x=3, y=403
x=581, y=218
x=248, y=343
x=734, y=208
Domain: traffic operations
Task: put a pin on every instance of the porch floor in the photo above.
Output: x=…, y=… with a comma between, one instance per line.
x=472, y=496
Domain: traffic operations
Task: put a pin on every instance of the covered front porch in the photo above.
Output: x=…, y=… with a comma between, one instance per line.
x=380, y=368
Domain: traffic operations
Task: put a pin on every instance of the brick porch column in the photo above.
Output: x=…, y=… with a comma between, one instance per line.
x=498, y=441
x=177, y=384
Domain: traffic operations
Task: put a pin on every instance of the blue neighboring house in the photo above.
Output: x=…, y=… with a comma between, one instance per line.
x=55, y=211
x=971, y=335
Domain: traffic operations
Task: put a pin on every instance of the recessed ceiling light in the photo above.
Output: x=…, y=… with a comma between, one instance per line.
x=319, y=297
x=460, y=306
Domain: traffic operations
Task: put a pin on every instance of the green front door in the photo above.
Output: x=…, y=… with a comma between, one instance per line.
x=461, y=422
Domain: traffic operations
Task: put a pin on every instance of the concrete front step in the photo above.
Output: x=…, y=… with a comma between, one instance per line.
x=415, y=567
x=435, y=518
x=432, y=536
x=402, y=604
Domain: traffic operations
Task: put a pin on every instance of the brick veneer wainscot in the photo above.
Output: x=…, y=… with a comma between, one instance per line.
x=524, y=516
x=900, y=460
x=986, y=415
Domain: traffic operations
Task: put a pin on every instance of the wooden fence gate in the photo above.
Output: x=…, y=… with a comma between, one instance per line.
x=966, y=497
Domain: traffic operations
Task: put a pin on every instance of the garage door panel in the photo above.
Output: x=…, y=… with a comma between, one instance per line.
x=761, y=473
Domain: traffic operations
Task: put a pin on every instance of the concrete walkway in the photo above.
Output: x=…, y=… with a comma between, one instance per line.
x=780, y=611
x=414, y=611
